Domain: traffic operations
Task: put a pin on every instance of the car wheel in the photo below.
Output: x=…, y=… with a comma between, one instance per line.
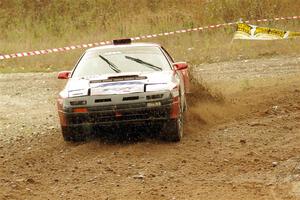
x=72, y=134
x=173, y=129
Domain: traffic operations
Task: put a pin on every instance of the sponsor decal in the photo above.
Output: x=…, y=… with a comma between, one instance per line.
x=117, y=88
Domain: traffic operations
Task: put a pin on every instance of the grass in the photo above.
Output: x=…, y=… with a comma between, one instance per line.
x=245, y=84
x=32, y=25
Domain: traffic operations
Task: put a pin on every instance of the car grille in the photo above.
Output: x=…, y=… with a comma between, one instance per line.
x=110, y=114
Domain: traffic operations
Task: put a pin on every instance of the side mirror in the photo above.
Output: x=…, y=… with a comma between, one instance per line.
x=180, y=65
x=64, y=75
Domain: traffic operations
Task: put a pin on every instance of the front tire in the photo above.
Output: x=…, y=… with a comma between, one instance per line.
x=173, y=129
x=75, y=134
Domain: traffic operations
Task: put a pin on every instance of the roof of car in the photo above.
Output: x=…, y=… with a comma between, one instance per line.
x=138, y=44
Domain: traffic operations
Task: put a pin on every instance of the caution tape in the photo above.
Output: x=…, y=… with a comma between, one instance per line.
x=73, y=47
x=252, y=32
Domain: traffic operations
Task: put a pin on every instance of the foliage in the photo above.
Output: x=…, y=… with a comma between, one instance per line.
x=37, y=24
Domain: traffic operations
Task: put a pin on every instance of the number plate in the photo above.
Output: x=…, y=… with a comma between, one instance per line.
x=153, y=104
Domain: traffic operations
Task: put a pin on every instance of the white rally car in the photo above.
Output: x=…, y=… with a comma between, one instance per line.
x=124, y=84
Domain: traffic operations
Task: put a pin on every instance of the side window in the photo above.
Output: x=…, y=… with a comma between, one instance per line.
x=167, y=54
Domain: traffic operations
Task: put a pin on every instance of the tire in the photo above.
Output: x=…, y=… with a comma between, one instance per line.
x=173, y=129
x=78, y=134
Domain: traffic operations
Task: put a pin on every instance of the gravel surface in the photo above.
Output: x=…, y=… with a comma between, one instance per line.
x=244, y=148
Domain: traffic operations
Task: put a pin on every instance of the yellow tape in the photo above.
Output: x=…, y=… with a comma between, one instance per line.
x=271, y=31
x=244, y=28
x=251, y=32
x=294, y=34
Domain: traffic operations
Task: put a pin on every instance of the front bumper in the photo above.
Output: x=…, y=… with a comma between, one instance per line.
x=117, y=114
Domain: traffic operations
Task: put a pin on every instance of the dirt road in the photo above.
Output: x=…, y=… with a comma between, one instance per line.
x=247, y=147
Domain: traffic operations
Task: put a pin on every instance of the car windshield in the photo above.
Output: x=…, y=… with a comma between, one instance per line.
x=121, y=59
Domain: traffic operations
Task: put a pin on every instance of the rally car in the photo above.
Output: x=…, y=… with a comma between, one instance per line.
x=124, y=84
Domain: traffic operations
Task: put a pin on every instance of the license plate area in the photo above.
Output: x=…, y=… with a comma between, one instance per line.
x=153, y=104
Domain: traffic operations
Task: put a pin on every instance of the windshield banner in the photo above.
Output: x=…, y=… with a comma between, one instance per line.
x=252, y=32
x=117, y=88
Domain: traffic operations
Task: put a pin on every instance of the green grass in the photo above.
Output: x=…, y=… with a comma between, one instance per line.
x=32, y=25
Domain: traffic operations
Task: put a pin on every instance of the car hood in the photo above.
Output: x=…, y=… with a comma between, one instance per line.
x=121, y=83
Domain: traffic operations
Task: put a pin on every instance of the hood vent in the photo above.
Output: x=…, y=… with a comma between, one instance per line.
x=78, y=103
x=120, y=78
x=154, y=96
x=130, y=98
x=102, y=100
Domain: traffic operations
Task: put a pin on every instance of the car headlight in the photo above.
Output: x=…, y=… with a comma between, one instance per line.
x=78, y=93
x=156, y=87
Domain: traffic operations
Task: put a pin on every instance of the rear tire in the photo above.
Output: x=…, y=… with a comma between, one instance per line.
x=75, y=134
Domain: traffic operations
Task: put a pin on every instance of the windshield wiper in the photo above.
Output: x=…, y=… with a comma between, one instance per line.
x=110, y=64
x=144, y=63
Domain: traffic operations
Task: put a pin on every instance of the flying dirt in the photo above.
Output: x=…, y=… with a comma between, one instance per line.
x=242, y=141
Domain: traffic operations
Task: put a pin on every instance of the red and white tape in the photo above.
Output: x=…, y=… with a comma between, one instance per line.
x=68, y=48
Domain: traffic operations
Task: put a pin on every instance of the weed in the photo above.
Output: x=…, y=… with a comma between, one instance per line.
x=30, y=25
